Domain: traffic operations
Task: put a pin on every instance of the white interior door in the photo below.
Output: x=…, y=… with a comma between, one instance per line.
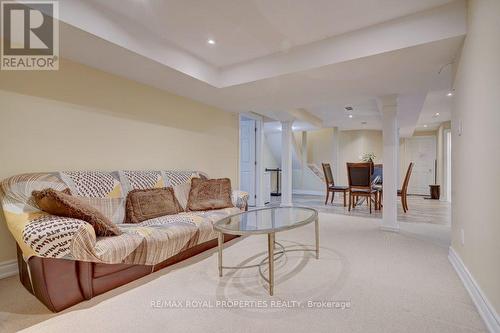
x=247, y=158
x=422, y=151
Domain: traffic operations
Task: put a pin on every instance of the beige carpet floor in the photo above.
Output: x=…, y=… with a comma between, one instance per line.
x=366, y=280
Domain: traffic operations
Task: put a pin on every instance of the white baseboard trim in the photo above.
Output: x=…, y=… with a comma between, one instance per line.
x=308, y=192
x=389, y=228
x=8, y=268
x=486, y=310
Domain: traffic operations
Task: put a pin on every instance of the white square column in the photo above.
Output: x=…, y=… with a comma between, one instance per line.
x=286, y=163
x=390, y=134
x=303, y=159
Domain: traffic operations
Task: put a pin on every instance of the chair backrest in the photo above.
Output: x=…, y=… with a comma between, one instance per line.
x=359, y=175
x=406, y=181
x=377, y=174
x=327, y=170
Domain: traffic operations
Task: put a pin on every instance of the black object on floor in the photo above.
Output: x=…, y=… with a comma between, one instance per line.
x=278, y=173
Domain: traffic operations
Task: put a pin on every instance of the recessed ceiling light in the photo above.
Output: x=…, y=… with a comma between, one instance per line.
x=211, y=42
x=425, y=125
x=437, y=114
x=449, y=94
x=350, y=116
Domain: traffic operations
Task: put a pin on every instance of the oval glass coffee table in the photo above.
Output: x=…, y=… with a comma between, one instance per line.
x=266, y=221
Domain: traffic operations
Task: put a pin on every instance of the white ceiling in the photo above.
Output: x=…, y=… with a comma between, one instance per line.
x=275, y=126
x=436, y=110
x=248, y=29
x=289, y=55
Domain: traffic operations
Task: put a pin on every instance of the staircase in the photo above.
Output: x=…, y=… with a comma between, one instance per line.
x=307, y=179
x=317, y=171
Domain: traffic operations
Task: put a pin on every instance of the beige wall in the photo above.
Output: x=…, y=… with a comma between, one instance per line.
x=81, y=118
x=319, y=145
x=353, y=144
x=476, y=153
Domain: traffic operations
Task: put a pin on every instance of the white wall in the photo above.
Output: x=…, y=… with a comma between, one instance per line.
x=476, y=152
x=268, y=158
x=441, y=154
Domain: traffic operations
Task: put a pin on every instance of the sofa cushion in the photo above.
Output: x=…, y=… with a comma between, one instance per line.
x=182, y=193
x=63, y=204
x=147, y=204
x=156, y=239
x=206, y=194
x=112, y=208
x=95, y=184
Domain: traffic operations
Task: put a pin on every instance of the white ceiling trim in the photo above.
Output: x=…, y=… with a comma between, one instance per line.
x=431, y=25
x=81, y=15
x=404, y=56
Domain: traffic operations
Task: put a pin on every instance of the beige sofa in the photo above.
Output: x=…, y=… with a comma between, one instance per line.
x=62, y=261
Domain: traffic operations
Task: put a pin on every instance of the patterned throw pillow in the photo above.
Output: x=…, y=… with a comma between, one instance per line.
x=147, y=204
x=61, y=203
x=209, y=194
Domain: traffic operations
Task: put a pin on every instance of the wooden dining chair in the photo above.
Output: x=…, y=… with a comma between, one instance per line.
x=403, y=192
x=360, y=184
x=330, y=184
x=377, y=181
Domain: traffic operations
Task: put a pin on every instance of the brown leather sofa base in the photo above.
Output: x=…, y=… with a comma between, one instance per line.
x=61, y=283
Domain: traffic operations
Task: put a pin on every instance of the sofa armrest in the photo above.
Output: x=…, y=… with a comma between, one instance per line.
x=51, y=236
x=240, y=199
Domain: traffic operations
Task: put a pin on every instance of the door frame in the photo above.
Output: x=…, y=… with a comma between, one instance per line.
x=407, y=160
x=447, y=165
x=259, y=141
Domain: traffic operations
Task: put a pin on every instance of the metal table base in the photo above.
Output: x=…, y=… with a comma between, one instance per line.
x=271, y=242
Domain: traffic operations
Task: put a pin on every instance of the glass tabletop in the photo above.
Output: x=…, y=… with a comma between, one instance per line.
x=266, y=220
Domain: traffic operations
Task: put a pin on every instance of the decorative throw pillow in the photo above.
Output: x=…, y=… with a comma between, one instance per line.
x=147, y=204
x=209, y=194
x=61, y=203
